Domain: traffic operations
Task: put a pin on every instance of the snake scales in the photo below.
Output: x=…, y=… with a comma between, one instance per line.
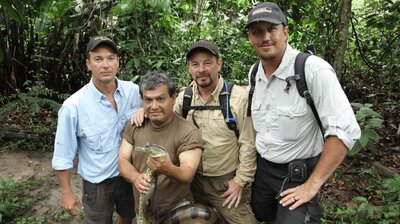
x=185, y=213
x=145, y=199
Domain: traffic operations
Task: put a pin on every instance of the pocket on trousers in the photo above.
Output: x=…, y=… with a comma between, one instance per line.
x=89, y=193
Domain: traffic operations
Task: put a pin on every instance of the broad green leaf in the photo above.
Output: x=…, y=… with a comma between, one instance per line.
x=136, y=62
x=11, y=10
x=356, y=148
x=360, y=199
x=357, y=105
x=364, y=138
x=371, y=134
x=158, y=64
x=374, y=123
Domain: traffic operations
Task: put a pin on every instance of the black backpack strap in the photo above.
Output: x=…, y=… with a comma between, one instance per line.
x=301, y=84
x=252, y=86
x=206, y=107
x=187, y=101
x=224, y=101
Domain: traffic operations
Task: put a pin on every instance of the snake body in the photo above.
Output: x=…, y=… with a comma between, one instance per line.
x=145, y=216
x=193, y=214
x=183, y=213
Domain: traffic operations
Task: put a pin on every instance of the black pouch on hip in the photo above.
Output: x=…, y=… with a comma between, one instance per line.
x=297, y=171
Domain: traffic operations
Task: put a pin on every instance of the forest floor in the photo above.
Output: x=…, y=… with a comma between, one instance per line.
x=353, y=178
x=36, y=165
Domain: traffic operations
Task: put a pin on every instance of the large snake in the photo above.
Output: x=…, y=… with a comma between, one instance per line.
x=181, y=214
x=145, y=199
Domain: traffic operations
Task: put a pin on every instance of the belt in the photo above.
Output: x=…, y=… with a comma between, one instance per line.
x=105, y=181
x=224, y=176
x=111, y=179
x=311, y=162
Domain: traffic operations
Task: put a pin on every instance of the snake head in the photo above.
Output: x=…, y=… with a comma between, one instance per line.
x=154, y=150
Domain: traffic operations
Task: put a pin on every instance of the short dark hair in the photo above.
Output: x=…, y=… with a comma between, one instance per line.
x=154, y=79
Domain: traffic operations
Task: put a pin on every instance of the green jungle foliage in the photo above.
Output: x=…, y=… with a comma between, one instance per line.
x=369, y=121
x=31, y=114
x=361, y=210
x=44, y=41
x=15, y=198
x=42, y=59
x=42, y=62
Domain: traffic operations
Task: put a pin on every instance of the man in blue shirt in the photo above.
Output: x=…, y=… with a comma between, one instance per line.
x=90, y=123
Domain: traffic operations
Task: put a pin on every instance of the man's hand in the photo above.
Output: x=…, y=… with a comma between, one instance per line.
x=72, y=204
x=142, y=183
x=138, y=117
x=331, y=157
x=160, y=164
x=233, y=195
x=298, y=195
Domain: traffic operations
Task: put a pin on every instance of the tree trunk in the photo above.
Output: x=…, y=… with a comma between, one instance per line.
x=345, y=15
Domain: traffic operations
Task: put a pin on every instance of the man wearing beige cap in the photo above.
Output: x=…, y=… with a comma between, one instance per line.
x=294, y=158
x=228, y=162
x=90, y=124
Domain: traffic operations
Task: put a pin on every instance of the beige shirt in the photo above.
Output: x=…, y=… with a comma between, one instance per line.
x=223, y=152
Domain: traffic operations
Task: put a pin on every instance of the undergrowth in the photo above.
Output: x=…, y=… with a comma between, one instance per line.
x=381, y=206
x=29, y=118
x=16, y=200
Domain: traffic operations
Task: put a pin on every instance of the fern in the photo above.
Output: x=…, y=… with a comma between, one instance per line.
x=34, y=104
x=29, y=106
x=5, y=110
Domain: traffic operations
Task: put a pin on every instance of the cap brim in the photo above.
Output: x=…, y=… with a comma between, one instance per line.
x=107, y=42
x=268, y=20
x=190, y=52
x=93, y=46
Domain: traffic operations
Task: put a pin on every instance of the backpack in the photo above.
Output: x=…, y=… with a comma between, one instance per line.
x=224, y=97
x=300, y=79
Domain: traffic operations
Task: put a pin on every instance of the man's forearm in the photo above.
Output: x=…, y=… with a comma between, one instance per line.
x=332, y=156
x=182, y=174
x=127, y=170
x=64, y=179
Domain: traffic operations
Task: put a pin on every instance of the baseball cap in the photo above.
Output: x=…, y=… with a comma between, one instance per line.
x=202, y=44
x=95, y=41
x=267, y=12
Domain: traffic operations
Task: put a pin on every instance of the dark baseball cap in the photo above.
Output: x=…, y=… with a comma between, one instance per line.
x=204, y=45
x=266, y=12
x=95, y=41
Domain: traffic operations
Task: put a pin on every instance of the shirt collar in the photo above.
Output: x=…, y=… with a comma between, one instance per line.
x=287, y=61
x=119, y=89
x=98, y=95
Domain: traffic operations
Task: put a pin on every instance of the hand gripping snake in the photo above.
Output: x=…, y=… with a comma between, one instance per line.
x=181, y=214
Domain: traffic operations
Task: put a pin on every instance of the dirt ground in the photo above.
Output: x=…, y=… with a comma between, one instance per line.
x=37, y=165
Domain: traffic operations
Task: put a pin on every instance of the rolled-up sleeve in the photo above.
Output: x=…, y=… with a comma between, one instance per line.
x=66, y=144
x=333, y=106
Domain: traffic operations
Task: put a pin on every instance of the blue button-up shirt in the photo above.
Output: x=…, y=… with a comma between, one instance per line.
x=90, y=126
